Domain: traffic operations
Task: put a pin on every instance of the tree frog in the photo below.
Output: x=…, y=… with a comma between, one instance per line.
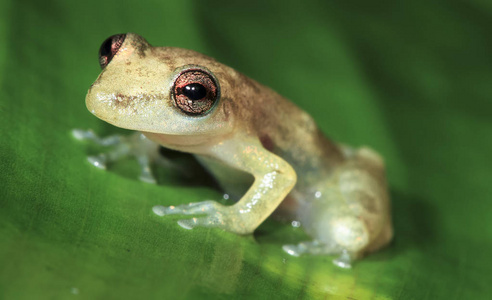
x=257, y=144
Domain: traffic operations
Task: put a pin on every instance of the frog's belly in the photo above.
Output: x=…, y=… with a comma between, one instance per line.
x=234, y=182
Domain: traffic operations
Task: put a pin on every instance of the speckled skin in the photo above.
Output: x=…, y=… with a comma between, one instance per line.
x=337, y=193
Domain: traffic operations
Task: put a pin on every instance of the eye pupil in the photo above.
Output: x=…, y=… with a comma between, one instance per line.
x=195, y=91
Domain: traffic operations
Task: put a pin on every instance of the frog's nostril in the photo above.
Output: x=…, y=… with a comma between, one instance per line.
x=109, y=48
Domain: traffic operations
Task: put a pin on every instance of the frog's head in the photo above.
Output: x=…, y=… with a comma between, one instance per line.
x=161, y=90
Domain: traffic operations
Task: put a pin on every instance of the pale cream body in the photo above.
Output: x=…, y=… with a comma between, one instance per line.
x=338, y=194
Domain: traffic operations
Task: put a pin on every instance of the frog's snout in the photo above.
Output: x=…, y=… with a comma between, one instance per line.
x=109, y=48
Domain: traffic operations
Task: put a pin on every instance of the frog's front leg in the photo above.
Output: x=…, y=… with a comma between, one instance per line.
x=213, y=209
x=274, y=178
x=101, y=160
x=135, y=144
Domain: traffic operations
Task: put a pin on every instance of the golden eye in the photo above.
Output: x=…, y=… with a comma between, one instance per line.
x=195, y=92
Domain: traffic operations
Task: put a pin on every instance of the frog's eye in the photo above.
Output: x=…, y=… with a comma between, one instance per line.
x=109, y=48
x=195, y=92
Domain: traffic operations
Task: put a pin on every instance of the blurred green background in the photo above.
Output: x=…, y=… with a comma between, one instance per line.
x=410, y=79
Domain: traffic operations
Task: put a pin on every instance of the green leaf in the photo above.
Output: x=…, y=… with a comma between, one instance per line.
x=410, y=79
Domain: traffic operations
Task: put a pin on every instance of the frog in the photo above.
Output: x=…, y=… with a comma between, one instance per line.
x=259, y=146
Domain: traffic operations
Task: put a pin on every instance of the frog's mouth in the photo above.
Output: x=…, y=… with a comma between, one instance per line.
x=153, y=113
x=127, y=111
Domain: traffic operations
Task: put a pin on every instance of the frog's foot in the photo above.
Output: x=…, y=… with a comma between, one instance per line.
x=212, y=209
x=318, y=248
x=85, y=135
x=145, y=170
x=311, y=247
x=344, y=260
x=135, y=145
x=101, y=160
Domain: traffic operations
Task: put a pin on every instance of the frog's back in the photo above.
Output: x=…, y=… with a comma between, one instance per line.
x=289, y=132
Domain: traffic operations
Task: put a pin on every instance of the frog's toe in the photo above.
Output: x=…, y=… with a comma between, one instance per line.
x=188, y=224
x=311, y=247
x=344, y=260
x=194, y=208
x=147, y=178
x=210, y=221
x=292, y=250
x=318, y=248
x=80, y=134
x=159, y=210
x=210, y=208
x=98, y=161
x=145, y=170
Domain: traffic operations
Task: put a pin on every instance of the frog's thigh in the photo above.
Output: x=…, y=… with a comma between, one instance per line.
x=363, y=182
x=353, y=211
x=335, y=225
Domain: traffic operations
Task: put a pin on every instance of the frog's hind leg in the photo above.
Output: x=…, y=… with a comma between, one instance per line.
x=316, y=247
x=334, y=228
x=350, y=213
x=362, y=182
